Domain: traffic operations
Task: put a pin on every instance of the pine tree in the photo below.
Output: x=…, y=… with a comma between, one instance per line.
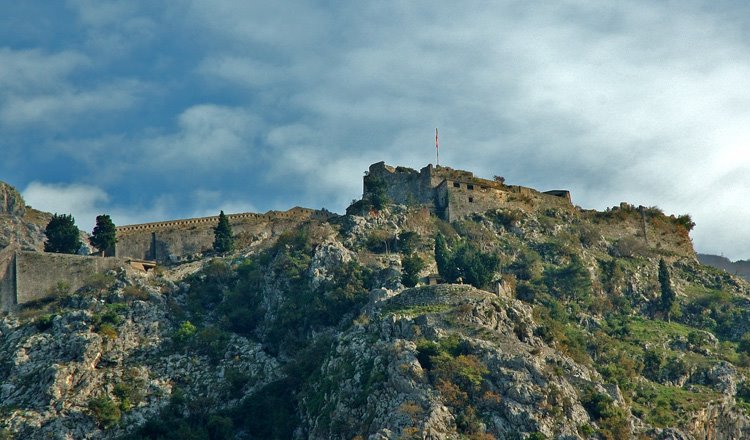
x=62, y=235
x=223, y=238
x=104, y=235
x=668, y=300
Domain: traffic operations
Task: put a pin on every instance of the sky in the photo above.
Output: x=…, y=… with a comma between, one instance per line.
x=151, y=110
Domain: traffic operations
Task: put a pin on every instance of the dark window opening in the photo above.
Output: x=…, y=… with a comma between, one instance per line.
x=469, y=186
x=456, y=185
x=471, y=199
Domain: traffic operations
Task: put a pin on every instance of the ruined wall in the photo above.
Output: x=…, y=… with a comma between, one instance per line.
x=469, y=198
x=404, y=186
x=162, y=241
x=452, y=194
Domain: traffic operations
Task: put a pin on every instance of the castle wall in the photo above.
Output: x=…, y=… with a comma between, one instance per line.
x=162, y=241
x=7, y=278
x=404, y=186
x=36, y=272
x=469, y=198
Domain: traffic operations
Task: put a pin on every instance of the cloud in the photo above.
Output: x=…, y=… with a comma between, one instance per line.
x=207, y=136
x=289, y=102
x=36, y=70
x=82, y=201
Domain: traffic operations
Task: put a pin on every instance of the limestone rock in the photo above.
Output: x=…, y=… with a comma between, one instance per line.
x=11, y=202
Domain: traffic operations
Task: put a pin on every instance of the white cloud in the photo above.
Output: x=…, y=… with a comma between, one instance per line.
x=35, y=70
x=60, y=108
x=82, y=201
x=208, y=136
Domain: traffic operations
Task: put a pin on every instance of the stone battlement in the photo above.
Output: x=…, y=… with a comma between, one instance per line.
x=295, y=212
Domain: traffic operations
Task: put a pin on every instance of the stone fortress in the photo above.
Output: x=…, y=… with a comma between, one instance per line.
x=28, y=275
x=450, y=194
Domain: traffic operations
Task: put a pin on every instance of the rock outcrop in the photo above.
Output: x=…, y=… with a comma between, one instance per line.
x=11, y=202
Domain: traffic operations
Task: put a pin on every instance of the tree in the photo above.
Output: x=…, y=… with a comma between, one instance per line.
x=223, y=238
x=442, y=257
x=668, y=300
x=104, y=235
x=465, y=262
x=412, y=265
x=62, y=235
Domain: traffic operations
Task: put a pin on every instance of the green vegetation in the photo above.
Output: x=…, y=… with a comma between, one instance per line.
x=104, y=235
x=668, y=300
x=465, y=263
x=62, y=235
x=223, y=238
x=412, y=265
x=105, y=411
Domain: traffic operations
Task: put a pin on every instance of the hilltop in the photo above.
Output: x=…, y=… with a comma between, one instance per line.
x=314, y=327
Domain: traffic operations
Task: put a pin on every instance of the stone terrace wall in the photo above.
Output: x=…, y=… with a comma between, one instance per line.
x=161, y=241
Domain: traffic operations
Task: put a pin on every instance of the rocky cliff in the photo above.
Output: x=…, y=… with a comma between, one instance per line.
x=566, y=334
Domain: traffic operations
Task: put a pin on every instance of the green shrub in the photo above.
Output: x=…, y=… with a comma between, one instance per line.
x=105, y=411
x=408, y=242
x=465, y=262
x=44, y=322
x=99, y=282
x=59, y=290
x=184, y=332
x=136, y=292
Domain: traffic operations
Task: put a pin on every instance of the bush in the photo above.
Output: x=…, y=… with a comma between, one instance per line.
x=136, y=292
x=408, y=242
x=569, y=282
x=629, y=247
x=99, y=282
x=105, y=411
x=59, y=290
x=465, y=263
x=44, y=322
x=184, y=332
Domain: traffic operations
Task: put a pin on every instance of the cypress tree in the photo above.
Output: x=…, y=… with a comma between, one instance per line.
x=668, y=300
x=223, y=238
x=104, y=235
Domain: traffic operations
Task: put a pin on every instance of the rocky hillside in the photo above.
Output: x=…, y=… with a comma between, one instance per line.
x=549, y=323
x=740, y=268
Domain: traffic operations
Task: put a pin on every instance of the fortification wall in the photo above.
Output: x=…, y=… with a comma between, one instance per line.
x=7, y=278
x=36, y=272
x=467, y=198
x=162, y=241
x=403, y=185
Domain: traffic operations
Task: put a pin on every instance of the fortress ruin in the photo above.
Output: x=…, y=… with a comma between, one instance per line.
x=27, y=276
x=450, y=194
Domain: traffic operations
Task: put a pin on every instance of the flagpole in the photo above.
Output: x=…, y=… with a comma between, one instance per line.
x=437, y=150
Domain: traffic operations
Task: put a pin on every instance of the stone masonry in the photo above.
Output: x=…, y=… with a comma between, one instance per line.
x=448, y=193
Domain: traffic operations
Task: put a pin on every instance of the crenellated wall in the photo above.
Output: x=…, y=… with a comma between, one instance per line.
x=162, y=241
